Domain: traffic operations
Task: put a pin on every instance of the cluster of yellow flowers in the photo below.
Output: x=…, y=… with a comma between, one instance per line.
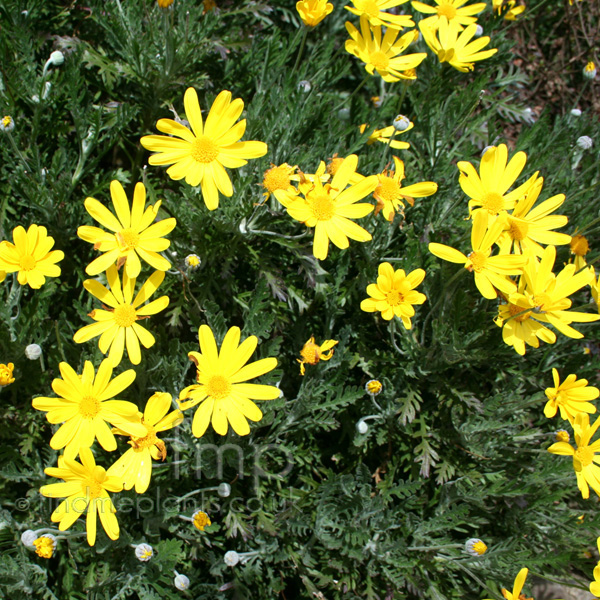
x=507, y=220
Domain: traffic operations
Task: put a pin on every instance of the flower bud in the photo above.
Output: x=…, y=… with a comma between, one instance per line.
x=585, y=142
x=478, y=30
x=144, y=552
x=304, y=86
x=401, y=123
x=27, y=539
x=475, y=547
x=231, y=558
x=224, y=490
x=181, y=582
x=33, y=351
x=576, y=112
x=57, y=58
x=362, y=427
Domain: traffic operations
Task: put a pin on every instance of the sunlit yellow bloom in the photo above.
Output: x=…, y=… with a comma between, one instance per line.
x=117, y=326
x=452, y=10
x=374, y=11
x=45, y=546
x=491, y=272
x=201, y=520
x=30, y=256
x=278, y=178
x=394, y=294
x=84, y=407
x=587, y=473
x=390, y=193
x=135, y=466
x=488, y=189
x=132, y=235
x=312, y=12
x=6, y=374
x=383, y=55
x=517, y=587
x=455, y=47
x=572, y=396
x=525, y=227
x=579, y=246
x=542, y=298
x=201, y=155
x=312, y=352
x=86, y=488
x=221, y=390
x=387, y=135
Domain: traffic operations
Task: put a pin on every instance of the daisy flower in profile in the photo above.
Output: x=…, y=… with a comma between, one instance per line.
x=394, y=294
x=135, y=466
x=117, y=326
x=579, y=246
x=85, y=406
x=30, y=256
x=222, y=392
x=491, y=272
x=374, y=11
x=527, y=227
x=572, y=396
x=390, y=193
x=453, y=10
x=278, y=178
x=312, y=352
x=488, y=189
x=200, y=156
x=312, y=12
x=387, y=135
x=132, y=235
x=454, y=46
x=328, y=208
x=587, y=473
x=383, y=55
x=85, y=488
x=475, y=547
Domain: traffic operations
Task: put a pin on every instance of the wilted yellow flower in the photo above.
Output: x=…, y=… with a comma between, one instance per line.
x=572, y=396
x=394, y=294
x=45, y=546
x=579, y=246
x=383, y=55
x=30, y=256
x=312, y=353
x=200, y=520
x=312, y=12
x=451, y=10
x=374, y=11
x=6, y=374
x=201, y=155
x=455, y=47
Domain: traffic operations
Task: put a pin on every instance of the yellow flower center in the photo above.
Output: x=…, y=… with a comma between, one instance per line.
x=542, y=301
x=374, y=387
x=27, y=262
x=493, y=202
x=579, y=245
x=513, y=309
x=147, y=441
x=369, y=7
x=277, y=178
x=589, y=68
x=218, y=387
x=394, y=297
x=310, y=353
x=478, y=260
x=89, y=407
x=585, y=455
x=446, y=10
x=92, y=487
x=6, y=121
x=323, y=208
x=517, y=229
x=44, y=547
x=201, y=520
x=480, y=548
x=410, y=73
x=379, y=60
x=127, y=239
x=388, y=189
x=125, y=315
x=204, y=150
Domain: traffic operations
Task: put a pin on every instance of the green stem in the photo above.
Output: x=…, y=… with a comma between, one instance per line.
x=301, y=49
x=386, y=151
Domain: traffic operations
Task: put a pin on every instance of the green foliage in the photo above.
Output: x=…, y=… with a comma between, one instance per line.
x=456, y=442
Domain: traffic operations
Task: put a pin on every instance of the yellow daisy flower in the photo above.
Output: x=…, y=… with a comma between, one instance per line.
x=117, y=326
x=517, y=587
x=312, y=352
x=85, y=406
x=572, y=396
x=6, y=374
x=542, y=298
x=383, y=56
x=132, y=235
x=394, y=294
x=595, y=585
x=30, y=256
x=452, y=10
x=374, y=11
x=491, y=272
x=511, y=11
x=328, y=208
x=387, y=135
x=200, y=520
x=135, y=466
x=221, y=392
x=488, y=189
x=526, y=227
x=390, y=193
x=278, y=178
x=201, y=155
x=579, y=246
x=85, y=486
x=587, y=473
x=312, y=12
x=454, y=46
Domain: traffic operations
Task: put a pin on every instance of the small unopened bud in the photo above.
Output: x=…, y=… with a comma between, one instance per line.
x=144, y=552
x=57, y=58
x=33, y=351
x=181, y=582
x=362, y=427
x=231, y=558
x=401, y=123
x=304, y=86
x=478, y=30
x=475, y=547
x=224, y=490
x=589, y=71
x=576, y=112
x=344, y=114
x=585, y=142
x=28, y=537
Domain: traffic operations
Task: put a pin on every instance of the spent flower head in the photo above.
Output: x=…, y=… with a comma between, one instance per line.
x=312, y=352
